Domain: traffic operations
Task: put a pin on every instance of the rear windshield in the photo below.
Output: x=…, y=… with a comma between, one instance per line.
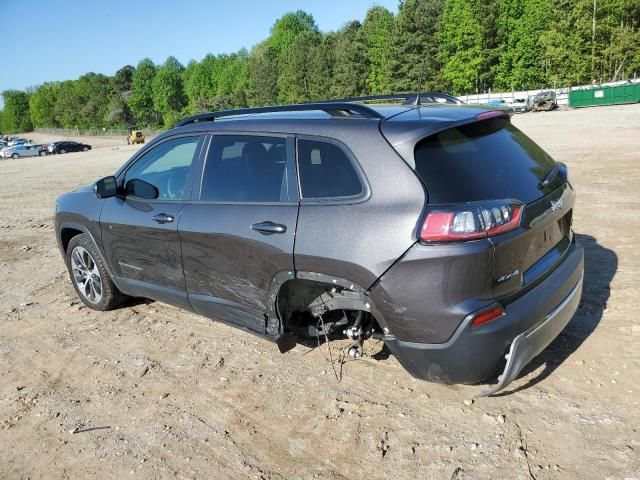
x=487, y=160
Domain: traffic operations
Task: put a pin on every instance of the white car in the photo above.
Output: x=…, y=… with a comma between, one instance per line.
x=17, y=141
x=21, y=151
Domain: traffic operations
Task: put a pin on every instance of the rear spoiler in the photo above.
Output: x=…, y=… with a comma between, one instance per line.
x=403, y=134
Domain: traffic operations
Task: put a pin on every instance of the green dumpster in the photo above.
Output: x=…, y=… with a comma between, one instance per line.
x=593, y=96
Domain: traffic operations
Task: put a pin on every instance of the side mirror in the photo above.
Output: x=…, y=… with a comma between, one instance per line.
x=106, y=187
x=141, y=189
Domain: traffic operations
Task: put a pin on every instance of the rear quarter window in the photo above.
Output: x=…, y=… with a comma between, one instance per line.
x=487, y=160
x=326, y=171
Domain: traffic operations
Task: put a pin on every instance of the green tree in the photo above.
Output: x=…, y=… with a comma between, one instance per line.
x=486, y=12
x=141, y=99
x=93, y=92
x=199, y=82
x=303, y=70
x=263, y=75
x=521, y=23
x=414, y=43
x=376, y=36
x=168, y=91
x=42, y=104
x=350, y=68
x=123, y=79
x=460, y=47
x=288, y=27
x=16, y=116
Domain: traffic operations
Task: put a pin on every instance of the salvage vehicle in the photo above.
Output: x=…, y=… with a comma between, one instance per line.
x=544, y=101
x=18, y=151
x=437, y=227
x=68, y=146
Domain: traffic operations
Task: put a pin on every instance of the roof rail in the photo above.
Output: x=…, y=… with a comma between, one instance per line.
x=409, y=98
x=335, y=109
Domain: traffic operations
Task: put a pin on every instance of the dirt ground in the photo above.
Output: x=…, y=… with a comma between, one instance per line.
x=149, y=391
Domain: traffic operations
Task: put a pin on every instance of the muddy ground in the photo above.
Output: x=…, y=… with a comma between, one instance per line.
x=149, y=391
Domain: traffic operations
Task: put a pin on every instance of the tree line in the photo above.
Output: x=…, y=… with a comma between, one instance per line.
x=463, y=46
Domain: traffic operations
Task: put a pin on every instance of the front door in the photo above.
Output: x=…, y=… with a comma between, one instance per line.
x=140, y=225
x=237, y=235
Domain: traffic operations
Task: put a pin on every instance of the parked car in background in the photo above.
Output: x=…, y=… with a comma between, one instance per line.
x=438, y=228
x=68, y=146
x=17, y=141
x=18, y=151
x=520, y=105
x=42, y=147
x=499, y=103
x=544, y=101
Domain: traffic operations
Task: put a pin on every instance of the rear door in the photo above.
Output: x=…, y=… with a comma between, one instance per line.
x=140, y=225
x=237, y=235
x=493, y=160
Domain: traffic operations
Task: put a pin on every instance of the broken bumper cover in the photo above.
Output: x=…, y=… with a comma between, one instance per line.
x=529, y=324
x=526, y=346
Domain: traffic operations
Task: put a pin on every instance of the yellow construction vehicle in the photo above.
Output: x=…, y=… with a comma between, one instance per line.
x=135, y=136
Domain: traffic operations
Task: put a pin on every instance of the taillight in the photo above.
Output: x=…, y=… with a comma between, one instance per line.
x=487, y=316
x=470, y=221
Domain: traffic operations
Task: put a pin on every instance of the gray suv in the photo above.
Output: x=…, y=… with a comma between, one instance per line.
x=436, y=227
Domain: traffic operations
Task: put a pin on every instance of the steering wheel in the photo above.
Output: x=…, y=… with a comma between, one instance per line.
x=175, y=187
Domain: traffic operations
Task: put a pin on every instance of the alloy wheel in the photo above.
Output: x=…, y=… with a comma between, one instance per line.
x=86, y=274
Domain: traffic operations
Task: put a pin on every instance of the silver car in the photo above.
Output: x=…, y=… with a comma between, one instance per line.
x=21, y=151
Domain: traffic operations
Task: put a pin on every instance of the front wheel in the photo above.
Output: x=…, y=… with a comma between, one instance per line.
x=42, y=153
x=89, y=275
x=84, y=149
x=63, y=151
x=15, y=155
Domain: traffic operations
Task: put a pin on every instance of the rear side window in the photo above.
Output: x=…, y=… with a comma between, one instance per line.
x=486, y=160
x=246, y=169
x=326, y=171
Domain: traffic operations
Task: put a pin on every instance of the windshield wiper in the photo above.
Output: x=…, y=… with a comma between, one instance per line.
x=550, y=177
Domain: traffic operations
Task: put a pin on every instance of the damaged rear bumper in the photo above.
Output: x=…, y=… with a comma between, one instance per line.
x=529, y=324
x=526, y=346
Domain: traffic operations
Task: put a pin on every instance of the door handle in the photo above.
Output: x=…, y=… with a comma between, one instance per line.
x=162, y=218
x=269, y=228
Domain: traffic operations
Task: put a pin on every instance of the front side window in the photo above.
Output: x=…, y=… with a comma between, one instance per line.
x=326, y=171
x=163, y=171
x=245, y=168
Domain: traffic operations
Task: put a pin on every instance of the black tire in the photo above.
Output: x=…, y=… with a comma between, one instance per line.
x=84, y=149
x=110, y=296
x=15, y=155
x=63, y=151
x=42, y=153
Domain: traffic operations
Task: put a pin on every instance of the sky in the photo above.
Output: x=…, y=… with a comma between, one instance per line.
x=49, y=40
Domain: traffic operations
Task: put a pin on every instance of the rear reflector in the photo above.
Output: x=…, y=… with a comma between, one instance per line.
x=487, y=316
x=469, y=221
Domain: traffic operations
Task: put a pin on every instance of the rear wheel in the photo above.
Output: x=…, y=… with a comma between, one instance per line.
x=63, y=151
x=15, y=155
x=42, y=153
x=89, y=275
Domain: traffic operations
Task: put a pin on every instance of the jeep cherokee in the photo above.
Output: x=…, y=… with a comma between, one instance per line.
x=435, y=226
